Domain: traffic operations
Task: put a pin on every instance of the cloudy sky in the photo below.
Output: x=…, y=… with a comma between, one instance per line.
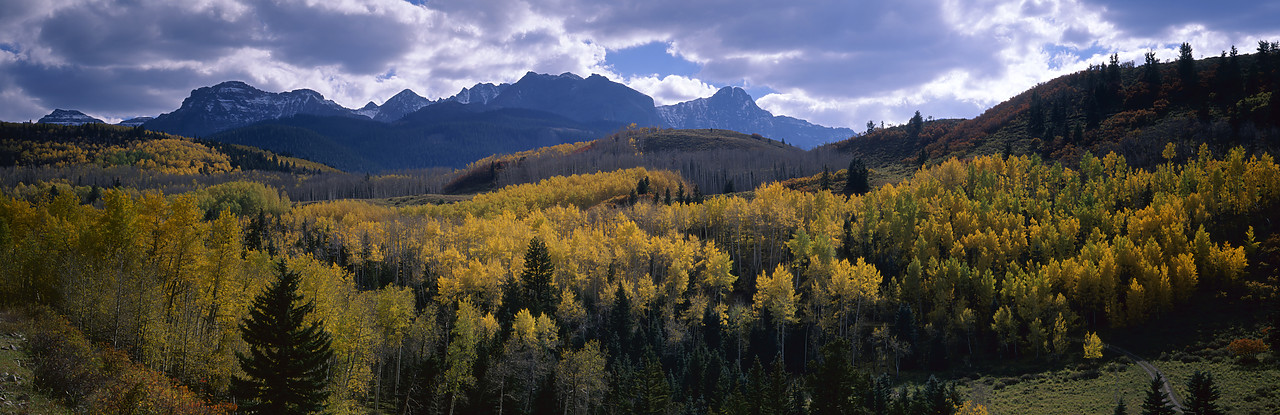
x=834, y=62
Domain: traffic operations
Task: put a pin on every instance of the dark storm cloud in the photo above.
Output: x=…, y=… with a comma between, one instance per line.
x=130, y=57
x=138, y=91
x=833, y=48
x=109, y=34
x=308, y=36
x=129, y=33
x=1148, y=19
x=837, y=62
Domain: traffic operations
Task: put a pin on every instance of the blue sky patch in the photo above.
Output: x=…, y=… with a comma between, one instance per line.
x=649, y=59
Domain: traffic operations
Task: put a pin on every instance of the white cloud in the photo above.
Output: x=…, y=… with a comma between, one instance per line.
x=834, y=62
x=670, y=89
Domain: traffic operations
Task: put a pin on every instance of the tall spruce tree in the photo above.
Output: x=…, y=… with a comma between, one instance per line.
x=1202, y=395
x=288, y=361
x=857, y=178
x=1120, y=409
x=540, y=296
x=1156, y=403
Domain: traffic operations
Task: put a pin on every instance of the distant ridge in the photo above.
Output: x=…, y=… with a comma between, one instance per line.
x=731, y=108
x=68, y=117
x=233, y=104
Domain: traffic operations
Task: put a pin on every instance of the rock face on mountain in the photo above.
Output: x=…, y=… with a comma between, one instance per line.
x=68, y=117
x=478, y=94
x=593, y=99
x=395, y=108
x=731, y=108
x=233, y=104
x=594, y=102
x=136, y=121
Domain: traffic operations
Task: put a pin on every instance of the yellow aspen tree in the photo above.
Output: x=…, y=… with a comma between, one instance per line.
x=1092, y=346
x=717, y=277
x=582, y=380
x=461, y=353
x=1136, y=303
x=1060, y=339
x=776, y=294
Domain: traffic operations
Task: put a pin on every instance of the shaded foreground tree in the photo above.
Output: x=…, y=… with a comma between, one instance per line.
x=1156, y=403
x=1202, y=395
x=288, y=360
x=857, y=178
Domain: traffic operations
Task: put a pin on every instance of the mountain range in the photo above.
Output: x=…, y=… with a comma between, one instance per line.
x=564, y=107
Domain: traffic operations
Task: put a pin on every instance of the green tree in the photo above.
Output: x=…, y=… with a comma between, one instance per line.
x=1120, y=409
x=461, y=353
x=1156, y=403
x=1187, y=67
x=835, y=386
x=856, y=180
x=654, y=394
x=288, y=362
x=1202, y=395
x=915, y=126
x=1151, y=70
x=938, y=398
x=533, y=290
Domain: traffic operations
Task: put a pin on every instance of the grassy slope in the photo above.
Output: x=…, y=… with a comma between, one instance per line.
x=19, y=397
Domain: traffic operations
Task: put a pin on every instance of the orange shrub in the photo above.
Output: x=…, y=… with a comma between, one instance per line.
x=1247, y=347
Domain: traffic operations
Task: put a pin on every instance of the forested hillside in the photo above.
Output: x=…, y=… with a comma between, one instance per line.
x=41, y=145
x=713, y=161
x=599, y=293
x=442, y=135
x=1131, y=109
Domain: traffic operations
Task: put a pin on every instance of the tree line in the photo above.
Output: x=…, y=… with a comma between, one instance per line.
x=564, y=295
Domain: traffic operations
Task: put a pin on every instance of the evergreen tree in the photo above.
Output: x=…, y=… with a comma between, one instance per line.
x=1187, y=67
x=937, y=398
x=539, y=294
x=857, y=178
x=880, y=396
x=654, y=394
x=1120, y=409
x=824, y=181
x=915, y=126
x=1035, y=116
x=777, y=397
x=1151, y=70
x=835, y=384
x=1202, y=395
x=1156, y=403
x=288, y=360
x=620, y=326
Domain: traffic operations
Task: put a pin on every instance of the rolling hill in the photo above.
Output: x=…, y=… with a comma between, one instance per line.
x=1132, y=110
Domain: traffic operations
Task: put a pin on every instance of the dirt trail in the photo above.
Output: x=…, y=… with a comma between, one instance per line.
x=1152, y=371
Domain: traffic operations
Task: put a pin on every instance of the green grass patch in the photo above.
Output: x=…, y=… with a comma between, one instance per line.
x=1084, y=390
x=17, y=395
x=1244, y=389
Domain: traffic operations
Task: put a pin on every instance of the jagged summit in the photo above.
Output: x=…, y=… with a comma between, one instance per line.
x=135, y=121
x=479, y=94
x=234, y=103
x=594, y=100
x=732, y=108
x=401, y=104
x=68, y=117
